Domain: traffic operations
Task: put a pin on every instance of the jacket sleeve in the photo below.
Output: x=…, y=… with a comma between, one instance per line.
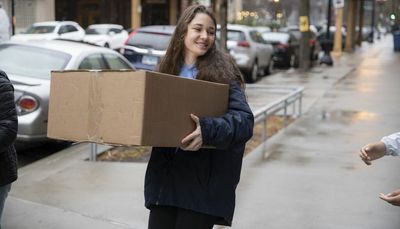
x=8, y=114
x=236, y=126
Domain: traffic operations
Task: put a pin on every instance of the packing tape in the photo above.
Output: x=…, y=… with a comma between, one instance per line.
x=96, y=107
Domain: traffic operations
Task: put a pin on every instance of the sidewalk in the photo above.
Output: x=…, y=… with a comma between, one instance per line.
x=310, y=176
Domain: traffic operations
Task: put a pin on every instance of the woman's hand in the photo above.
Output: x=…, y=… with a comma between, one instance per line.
x=392, y=198
x=194, y=140
x=372, y=152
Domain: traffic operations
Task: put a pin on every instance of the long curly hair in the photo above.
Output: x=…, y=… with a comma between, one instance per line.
x=214, y=65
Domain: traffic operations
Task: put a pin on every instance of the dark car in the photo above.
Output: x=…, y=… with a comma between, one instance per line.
x=145, y=46
x=285, y=48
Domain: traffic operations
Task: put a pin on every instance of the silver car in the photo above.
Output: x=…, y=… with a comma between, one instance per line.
x=28, y=66
x=251, y=53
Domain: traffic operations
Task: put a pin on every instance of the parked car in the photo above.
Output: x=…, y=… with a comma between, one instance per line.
x=285, y=47
x=250, y=51
x=51, y=30
x=313, y=42
x=147, y=45
x=108, y=35
x=28, y=66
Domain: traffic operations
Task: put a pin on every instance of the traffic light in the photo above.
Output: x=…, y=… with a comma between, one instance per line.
x=392, y=16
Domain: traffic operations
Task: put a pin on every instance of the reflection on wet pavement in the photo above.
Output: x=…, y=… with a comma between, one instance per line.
x=347, y=116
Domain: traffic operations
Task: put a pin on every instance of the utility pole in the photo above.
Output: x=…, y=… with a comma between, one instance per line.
x=223, y=16
x=304, y=55
x=327, y=42
x=351, y=22
x=337, y=44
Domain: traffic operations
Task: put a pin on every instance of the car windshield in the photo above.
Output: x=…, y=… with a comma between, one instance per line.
x=148, y=40
x=31, y=61
x=275, y=37
x=40, y=29
x=96, y=31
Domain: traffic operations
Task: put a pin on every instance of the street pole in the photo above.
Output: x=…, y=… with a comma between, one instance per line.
x=223, y=22
x=304, y=55
x=327, y=42
x=13, y=21
x=337, y=45
x=371, y=36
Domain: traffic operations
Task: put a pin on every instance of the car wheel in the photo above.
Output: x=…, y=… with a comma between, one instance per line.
x=252, y=75
x=270, y=68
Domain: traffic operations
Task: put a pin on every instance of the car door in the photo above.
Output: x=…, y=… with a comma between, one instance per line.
x=261, y=49
x=70, y=32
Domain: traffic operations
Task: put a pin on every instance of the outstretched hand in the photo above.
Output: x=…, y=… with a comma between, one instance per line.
x=194, y=140
x=372, y=152
x=392, y=198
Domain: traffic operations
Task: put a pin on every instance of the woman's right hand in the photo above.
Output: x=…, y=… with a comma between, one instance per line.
x=372, y=151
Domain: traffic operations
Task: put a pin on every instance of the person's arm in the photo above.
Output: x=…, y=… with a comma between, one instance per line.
x=389, y=145
x=8, y=115
x=236, y=126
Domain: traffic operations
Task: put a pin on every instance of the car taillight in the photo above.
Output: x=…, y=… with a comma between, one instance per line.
x=244, y=44
x=130, y=36
x=282, y=46
x=27, y=104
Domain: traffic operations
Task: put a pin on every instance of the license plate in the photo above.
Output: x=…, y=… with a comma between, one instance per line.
x=149, y=60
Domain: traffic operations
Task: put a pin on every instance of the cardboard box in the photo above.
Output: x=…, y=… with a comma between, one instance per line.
x=129, y=107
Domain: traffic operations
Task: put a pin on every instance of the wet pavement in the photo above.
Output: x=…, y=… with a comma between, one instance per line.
x=309, y=176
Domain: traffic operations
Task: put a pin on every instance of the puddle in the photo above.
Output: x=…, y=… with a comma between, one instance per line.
x=345, y=116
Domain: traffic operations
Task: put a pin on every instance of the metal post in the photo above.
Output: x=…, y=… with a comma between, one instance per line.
x=93, y=152
x=300, y=103
x=285, y=115
x=327, y=43
x=265, y=131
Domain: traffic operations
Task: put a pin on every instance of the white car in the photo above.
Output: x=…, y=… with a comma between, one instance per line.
x=250, y=51
x=28, y=66
x=108, y=35
x=51, y=30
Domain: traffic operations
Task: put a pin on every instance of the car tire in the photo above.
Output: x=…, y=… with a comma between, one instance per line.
x=252, y=75
x=270, y=68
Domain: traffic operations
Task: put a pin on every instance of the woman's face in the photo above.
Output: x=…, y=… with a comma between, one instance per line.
x=199, y=37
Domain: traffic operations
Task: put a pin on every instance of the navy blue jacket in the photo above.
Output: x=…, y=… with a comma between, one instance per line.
x=8, y=132
x=205, y=180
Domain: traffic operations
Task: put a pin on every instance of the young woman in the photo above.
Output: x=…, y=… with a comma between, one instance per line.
x=190, y=186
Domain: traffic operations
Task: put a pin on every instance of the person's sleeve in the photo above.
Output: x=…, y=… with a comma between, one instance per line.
x=236, y=126
x=8, y=116
x=392, y=143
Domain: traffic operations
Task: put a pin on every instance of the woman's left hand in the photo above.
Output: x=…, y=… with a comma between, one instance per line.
x=194, y=140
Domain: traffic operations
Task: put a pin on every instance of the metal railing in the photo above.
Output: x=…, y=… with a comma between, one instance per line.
x=280, y=107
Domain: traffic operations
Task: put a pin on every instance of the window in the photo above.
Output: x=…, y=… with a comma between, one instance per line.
x=94, y=61
x=71, y=28
x=115, y=62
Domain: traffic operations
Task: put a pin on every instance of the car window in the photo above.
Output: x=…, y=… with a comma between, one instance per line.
x=93, y=30
x=31, y=61
x=94, y=61
x=256, y=37
x=115, y=62
x=63, y=29
x=40, y=29
x=115, y=30
x=150, y=40
x=233, y=35
x=71, y=28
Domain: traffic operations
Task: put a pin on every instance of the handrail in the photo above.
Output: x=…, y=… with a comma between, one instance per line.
x=294, y=95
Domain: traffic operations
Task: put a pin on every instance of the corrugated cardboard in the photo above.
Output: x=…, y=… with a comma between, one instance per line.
x=129, y=108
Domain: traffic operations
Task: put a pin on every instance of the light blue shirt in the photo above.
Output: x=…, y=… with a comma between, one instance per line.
x=189, y=71
x=392, y=143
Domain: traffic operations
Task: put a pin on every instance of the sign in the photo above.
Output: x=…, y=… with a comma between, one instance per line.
x=304, y=25
x=339, y=3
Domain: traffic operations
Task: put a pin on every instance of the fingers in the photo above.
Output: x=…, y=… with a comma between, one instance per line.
x=194, y=140
x=391, y=198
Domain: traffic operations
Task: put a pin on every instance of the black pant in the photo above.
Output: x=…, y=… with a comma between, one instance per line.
x=164, y=217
